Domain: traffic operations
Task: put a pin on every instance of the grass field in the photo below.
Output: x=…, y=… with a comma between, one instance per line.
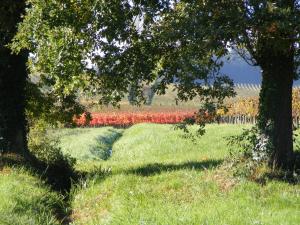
x=148, y=174
x=155, y=176
x=25, y=200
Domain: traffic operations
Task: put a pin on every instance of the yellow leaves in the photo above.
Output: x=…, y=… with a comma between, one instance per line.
x=221, y=112
x=249, y=106
x=296, y=102
x=245, y=106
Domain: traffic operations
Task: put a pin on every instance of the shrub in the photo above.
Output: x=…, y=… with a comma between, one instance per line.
x=250, y=153
x=126, y=119
x=45, y=146
x=57, y=167
x=249, y=106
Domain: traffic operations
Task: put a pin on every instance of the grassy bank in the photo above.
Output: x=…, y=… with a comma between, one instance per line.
x=155, y=176
x=89, y=144
x=24, y=199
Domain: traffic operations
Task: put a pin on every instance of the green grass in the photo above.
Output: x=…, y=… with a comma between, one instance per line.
x=154, y=177
x=25, y=200
x=158, y=177
x=89, y=143
x=146, y=144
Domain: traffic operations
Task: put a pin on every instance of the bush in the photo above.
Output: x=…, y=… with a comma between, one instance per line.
x=45, y=147
x=57, y=167
x=250, y=156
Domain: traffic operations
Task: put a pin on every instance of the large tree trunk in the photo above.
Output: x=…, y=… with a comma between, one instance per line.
x=13, y=76
x=12, y=102
x=275, y=110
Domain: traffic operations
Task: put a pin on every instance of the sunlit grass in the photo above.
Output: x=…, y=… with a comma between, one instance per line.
x=88, y=143
x=25, y=200
x=159, y=177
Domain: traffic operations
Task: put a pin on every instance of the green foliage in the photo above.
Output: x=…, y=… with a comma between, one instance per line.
x=207, y=114
x=124, y=51
x=43, y=106
x=46, y=147
x=55, y=167
x=246, y=160
x=244, y=143
x=133, y=43
x=251, y=152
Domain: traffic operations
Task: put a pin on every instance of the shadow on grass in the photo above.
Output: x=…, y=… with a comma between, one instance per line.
x=59, y=179
x=12, y=160
x=23, y=207
x=158, y=168
x=103, y=148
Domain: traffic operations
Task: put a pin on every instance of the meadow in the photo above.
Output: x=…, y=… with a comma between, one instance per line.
x=156, y=176
x=149, y=174
x=122, y=113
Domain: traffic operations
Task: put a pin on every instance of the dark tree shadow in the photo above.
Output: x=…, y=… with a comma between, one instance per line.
x=158, y=168
x=12, y=160
x=290, y=176
x=59, y=178
x=35, y=204
x=297, y=159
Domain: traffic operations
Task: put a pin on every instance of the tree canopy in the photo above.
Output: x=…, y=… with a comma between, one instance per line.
x=124, y=41
x=107, y=46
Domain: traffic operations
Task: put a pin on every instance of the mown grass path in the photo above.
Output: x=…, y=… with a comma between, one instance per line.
x=155, y=176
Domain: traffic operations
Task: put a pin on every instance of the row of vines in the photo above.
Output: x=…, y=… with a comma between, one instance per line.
x=249, y=106
x=126, y=119
x=244, y=110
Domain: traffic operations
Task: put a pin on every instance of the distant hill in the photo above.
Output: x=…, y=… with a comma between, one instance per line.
x=242, y=73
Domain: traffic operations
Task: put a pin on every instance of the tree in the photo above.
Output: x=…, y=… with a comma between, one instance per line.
x=264, y=33
x=182, y=41
x=22, y=100
x=13, y=76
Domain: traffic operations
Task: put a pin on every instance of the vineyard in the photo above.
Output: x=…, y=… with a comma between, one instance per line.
x=249, y=106
x=127, y=119
x=241, y=110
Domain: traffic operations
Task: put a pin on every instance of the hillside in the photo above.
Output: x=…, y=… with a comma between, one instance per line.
x=167, y=102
